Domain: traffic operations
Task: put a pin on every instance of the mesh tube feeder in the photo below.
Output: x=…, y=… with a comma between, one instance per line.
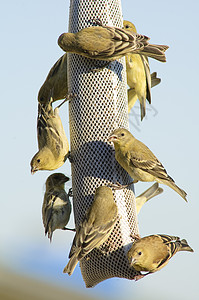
x=100, y=107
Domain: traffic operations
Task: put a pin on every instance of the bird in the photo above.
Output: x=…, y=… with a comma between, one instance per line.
x=151, y=192
x=56, y=208
x=52, y=141
x=153, y=252
x=109, y=43
x=139, y=78
x=56, y=81
x=139, y=162
x=95, y=227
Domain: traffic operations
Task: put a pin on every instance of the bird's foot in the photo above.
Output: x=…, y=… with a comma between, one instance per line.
x=119, y=186
x=100, y=68
x=71, y=229
x=70, y=192
x=138, y=277
x=135, y=236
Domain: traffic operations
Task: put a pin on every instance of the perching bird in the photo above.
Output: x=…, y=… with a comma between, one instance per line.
x=52, y=141
x=56, y=207
x=56, y=81
x=139, y=78
x=152, y=253
x=109, y=43
x=138, y=160
x=95, y=228
x=153, y=191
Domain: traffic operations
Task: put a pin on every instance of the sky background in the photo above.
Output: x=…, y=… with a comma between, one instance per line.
x=29, y=32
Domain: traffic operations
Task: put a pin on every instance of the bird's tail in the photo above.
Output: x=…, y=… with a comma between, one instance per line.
x=172, y=185
x=155, y=51
x=184, y=246
x=142, y=107
x=132, y=98
x=153, y=191
x=154, y=79
x=69, y=268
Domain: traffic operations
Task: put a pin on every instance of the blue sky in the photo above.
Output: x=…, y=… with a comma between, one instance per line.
x=29, y=32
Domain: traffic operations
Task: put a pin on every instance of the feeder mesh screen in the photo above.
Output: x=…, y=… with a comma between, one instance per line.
x=99, y=107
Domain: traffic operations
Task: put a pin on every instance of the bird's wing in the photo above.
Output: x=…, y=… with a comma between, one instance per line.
x=47, y=132
x=89, y=236
x=49, y=208
x=148, y=77
x=152, y=166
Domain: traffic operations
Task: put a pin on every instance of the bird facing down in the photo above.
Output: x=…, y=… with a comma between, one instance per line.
x=152, y=253
x=95, y=228
x=139, y=78
x=56, y=207
x=56, y=81
x=151, y=192
x=138, y=160
x=109, y=43
x=52, y=141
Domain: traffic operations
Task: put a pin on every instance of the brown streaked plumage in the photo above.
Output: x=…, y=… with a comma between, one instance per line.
x=95, y=227
x=52, y=141
x=109, y=43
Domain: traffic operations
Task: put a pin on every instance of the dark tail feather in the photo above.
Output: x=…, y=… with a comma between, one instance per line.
x=143, y=108
x=155, y=51
x=154, y=79
x=176, y=188
x=184, y=246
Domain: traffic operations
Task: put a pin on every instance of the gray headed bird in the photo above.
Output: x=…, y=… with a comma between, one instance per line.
x=56, y=207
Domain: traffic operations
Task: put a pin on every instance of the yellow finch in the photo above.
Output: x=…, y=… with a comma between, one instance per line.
x=153, y=191
x=56, y=81
x=56, y=207
x=52, y=141
x=152, y=253
x=138, y=77
x=109, y=43
x=138, y=160
x=95, y=228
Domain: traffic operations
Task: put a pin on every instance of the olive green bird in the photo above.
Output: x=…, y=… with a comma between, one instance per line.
x=153, y=252
x=139, y=78
x=138, y=160
x=55, y=82
x=109, y=43
x=56, y=208
x=52, y=141
x=95, y=228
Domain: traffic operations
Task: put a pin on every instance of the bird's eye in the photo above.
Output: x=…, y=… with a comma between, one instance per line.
x=140, y=253
x=38, y=160
x=122, y=134
x=127, y=26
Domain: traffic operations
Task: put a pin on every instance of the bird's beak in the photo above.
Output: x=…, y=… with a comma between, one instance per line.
x=66, y=179
x=112, y=138
x=132, y=261
x=33, y=170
